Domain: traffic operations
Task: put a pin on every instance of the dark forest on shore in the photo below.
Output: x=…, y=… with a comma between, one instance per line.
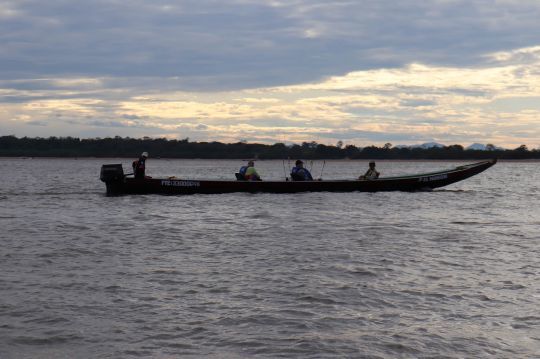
x=11, y=146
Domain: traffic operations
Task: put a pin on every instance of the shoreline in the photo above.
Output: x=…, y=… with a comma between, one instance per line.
x=528, y=160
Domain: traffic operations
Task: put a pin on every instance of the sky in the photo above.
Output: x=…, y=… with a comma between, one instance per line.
x=361, y=72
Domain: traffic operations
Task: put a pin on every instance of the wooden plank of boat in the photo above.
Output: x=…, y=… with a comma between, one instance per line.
x=118, y=183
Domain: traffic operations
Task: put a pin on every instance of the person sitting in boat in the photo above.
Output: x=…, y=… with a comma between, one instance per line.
x=299, y=173
x=371, y=173
x=139, y=166
x=249, y=173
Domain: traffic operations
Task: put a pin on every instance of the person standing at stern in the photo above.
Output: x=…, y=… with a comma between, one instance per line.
x=139, y=166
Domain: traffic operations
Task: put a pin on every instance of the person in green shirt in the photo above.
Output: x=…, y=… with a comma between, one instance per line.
x=249, y=172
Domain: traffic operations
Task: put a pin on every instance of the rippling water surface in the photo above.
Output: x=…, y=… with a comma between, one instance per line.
x=448, y=273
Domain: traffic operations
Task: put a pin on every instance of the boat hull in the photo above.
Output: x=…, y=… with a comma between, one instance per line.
x=173, y=186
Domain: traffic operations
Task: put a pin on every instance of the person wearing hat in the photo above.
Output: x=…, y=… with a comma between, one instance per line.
x=299, y=173
x=371, y=173
x=139, y=166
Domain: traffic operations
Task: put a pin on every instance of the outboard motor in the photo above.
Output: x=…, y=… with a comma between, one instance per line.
x=112, y=173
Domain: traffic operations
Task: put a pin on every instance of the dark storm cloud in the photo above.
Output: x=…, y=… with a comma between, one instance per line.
x=211, y=45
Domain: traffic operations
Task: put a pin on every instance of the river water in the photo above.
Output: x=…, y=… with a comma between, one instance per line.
x=449, y=273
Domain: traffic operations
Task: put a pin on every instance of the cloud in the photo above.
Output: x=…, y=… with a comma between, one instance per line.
x=273, y=71
x=37, y=123
x=208, y=44
x=8, y=11
x=416, y=103
x=98, y=123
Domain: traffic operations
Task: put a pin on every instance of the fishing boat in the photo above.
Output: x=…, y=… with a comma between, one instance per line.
x=118, y=183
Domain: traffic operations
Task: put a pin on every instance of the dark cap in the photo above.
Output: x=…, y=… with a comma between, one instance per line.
x=371, y=162
x=298, y=162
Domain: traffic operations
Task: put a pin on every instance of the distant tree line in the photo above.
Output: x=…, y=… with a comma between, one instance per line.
x=165, y=148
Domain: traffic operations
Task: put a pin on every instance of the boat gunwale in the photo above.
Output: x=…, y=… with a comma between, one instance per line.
x=393, y=178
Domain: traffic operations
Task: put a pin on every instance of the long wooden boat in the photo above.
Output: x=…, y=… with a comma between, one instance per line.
x=119, y=183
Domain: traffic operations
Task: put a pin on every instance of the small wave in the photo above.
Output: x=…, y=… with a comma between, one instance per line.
x=364, y=273
x=471, y=223
x=453, y=191
x=176, y=345
x=424, y=294
x=74, y=227
x=167, y=271
x=247, y=343
x=357, y=271
x=296, y=313
x=171, y=282
x=57, y=339
x=529, y=318
x=51, y=193
x=163, y=336
x=259, y=319
x=263, y=215
x=219, y=290
x=148, y=299
x=138, y=353
x=512, y=286
x=313, y=299
x=401, y=348
x=451, y=264
x=67, y=252
x=47, y=320
x=112, y=288
x=197, y=332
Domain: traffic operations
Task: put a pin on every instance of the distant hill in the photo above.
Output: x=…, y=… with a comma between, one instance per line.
x=423, y=145
x=429, y=145
x=481, y=147
x=477, y=147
